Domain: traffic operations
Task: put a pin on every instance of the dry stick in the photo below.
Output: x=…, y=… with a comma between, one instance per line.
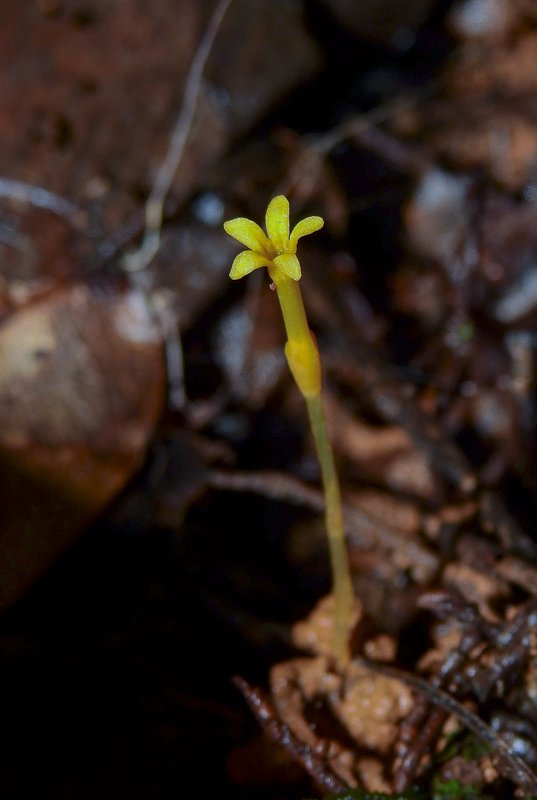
x=508, y=762
x=138, y=260
x=365, y=129
x=314, y=759
x=154, y=208
x=36, y=196
x=365, y=532
x=356, y=126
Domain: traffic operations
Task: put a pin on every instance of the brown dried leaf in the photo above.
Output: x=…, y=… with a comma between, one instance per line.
x=385, y=454
x=81, y=387
x=489, y=119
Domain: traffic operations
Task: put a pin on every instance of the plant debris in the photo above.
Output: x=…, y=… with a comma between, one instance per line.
x=162, y=518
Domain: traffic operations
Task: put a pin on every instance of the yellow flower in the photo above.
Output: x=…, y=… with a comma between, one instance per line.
x=274, y=249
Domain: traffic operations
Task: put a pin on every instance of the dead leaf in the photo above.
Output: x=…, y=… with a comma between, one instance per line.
x=81, y=388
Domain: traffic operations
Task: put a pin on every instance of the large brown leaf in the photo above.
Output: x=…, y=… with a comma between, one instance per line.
x=81, y=387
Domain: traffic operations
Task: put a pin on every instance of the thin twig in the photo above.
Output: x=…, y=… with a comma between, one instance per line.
x=509, y=764
x=36, y=196
x=363, y=129
x=360, y=123
x=154, y=208
x=313, y=759
x=363, y=531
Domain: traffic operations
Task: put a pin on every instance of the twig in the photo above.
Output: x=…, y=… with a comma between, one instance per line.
x=509, y=764
x=312, y=761
x=37, y=196
x=154, y=208
x=363, y=530
x=276, y=485
x=421, y=729
x=357, y=125
x=364, y=129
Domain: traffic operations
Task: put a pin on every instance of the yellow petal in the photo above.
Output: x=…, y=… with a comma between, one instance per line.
x=246, y=262
x=303, y=228
x=277, y=221
x=248, y=233
x=289, y=265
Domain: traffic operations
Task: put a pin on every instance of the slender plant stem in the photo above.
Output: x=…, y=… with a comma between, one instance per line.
x=277, y=251
x=305, y=364
x=339, y=559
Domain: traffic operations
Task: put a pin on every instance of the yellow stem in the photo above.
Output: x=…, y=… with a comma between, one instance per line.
x=290, y=297
x=305, y=365
x=339, y=559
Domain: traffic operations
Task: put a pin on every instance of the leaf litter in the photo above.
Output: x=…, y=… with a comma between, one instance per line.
x=211, y=559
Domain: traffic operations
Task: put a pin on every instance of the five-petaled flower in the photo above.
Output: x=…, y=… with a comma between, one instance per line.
x=275, y=249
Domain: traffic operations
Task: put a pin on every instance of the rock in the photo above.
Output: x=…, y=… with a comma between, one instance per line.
x=90, y=92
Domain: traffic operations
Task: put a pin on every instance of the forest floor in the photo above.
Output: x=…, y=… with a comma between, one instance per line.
x=164, y=577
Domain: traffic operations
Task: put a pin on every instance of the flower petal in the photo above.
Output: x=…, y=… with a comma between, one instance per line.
x=246, y=262
x=248, y=233
x=303, y=228
x=289, y=265
x=277, y=222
